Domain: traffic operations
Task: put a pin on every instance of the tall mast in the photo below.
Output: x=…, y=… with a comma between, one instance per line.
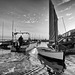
x=2, y=30
x=12, y=30
x=51, y=22
x=15, y=35
x=56, y=29
x=64, y=24
x=53, y=26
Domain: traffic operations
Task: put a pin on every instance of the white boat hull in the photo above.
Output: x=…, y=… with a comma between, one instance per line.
x=55, y=55
x=49, y=52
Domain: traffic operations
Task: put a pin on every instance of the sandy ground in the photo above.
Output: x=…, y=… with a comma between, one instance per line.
x=4, y=51
x=70, y=64
x=20, y=63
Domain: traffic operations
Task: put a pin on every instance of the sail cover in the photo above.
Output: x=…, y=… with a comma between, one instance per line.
x=53, y=23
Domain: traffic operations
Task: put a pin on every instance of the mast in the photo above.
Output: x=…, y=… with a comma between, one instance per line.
x=53, y=24
x=2, y=31
x=56, y=29
x=15, y=35
x=64, y=24
x=12, y=30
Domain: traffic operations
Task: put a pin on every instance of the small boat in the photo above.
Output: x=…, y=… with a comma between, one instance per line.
x=49, y=52
x=21, y=45
x=6, y=45
x=51, y=55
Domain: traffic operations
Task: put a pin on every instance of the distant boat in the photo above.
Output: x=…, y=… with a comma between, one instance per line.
x=4, y=43
x=20, y=45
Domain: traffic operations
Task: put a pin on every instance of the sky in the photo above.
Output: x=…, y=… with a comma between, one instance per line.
x=27, y=15
x=33, y=16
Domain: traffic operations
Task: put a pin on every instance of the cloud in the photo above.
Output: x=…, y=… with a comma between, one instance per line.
x=60, y=17
x=68, y=14
x=63, y=1
x=71, y=18
x=68, y=8
x=46, y=19
x=24, y=15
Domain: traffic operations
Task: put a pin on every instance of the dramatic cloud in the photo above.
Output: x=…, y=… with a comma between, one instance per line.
x=68, y=14
x=60, y=17
x=65, y=9
x=63, y=1
x=71, y=18
x=28, y=15
x=68, y=8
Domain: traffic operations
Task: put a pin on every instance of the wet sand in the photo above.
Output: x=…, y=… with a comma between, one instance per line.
x=69, y=61
x=70, y=65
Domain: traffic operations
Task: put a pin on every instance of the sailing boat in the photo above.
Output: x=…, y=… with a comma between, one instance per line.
x=51, y=54
x=5, y=43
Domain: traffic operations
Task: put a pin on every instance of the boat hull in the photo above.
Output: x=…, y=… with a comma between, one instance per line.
x=54, y=57
x=24, y=48
x=56, y=64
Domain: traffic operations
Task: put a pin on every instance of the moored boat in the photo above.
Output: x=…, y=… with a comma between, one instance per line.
x=49, y=53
